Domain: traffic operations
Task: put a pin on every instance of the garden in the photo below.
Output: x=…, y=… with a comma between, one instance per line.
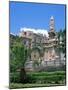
x=35, y=79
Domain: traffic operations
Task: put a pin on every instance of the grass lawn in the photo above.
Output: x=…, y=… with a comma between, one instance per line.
x=18, y=85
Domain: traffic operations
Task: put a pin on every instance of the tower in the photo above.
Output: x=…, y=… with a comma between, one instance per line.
x=52, y=27
x=52, y=24
x=52, y=40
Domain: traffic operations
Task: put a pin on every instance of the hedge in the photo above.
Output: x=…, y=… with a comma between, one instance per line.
x=47, y=73
x=40, y=77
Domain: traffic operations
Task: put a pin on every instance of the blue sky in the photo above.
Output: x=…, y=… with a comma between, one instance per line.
x=35, y=15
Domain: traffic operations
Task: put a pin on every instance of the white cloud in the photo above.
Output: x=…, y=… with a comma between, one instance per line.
x=13, y=34
x=41, y=31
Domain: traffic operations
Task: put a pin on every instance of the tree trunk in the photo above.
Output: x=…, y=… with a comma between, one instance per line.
x=22, y=75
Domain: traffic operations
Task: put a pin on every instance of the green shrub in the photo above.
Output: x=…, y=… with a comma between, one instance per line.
x=14, y=77
x=39, y=77
x=47, y=77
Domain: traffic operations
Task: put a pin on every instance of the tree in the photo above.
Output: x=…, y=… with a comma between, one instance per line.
x=62, y=45
x=18, y=57
x=62, y=34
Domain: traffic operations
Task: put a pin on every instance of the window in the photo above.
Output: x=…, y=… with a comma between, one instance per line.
x=25, y=33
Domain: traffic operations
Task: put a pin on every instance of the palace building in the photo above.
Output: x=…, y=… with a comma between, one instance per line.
x=42, y=48
x=38, y=41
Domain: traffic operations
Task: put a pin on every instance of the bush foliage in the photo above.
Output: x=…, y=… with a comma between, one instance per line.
x=40, y=77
